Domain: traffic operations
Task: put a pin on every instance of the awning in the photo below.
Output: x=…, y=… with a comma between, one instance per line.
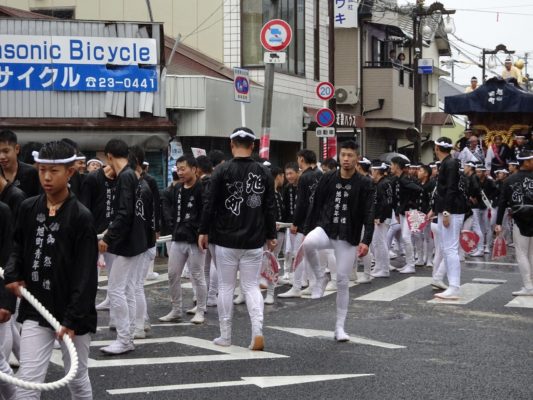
x=438, y=119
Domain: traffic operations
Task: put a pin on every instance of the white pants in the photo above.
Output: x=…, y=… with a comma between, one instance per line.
x=379, y=248
x=213, y=278
x=37, y=343
x=449, y=244
x=407, y=241
x=7, y=391
x=181, y=253
x=121, y=290
x=248, y=264
x=345, y=255
x=524, y=256
x=477, y=220
x=141, y=313
x=439, y=266
x=294, y=242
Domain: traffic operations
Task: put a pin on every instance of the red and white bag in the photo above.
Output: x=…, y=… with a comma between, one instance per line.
x=468, y=240
x=416, y=220
x=499, y=249
x=270, y=267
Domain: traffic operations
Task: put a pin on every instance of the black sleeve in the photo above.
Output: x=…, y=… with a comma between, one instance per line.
x=167, y=208
x=14, y=270
x=88, y=190
x=83, y=277
x=302, y=199
x=367, y=201
x=210, y=195
x=7, y=300
x=125, y=210
x=503, y=203
x=451, y=188
x=270, y=207
x=157, y=203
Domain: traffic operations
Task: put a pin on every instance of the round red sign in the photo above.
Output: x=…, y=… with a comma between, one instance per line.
x=325, y=90
x=325, y=117
x=276, y=35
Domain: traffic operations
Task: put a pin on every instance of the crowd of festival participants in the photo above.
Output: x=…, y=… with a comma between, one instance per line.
x=65, y=219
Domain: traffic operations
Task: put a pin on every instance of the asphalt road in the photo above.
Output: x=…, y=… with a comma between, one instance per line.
x=417, y=350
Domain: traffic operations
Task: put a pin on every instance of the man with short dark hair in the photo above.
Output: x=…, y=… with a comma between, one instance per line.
x=21, y=175
x=11, y=195
x=450, y=206
x=188, y=205
x=343, y=205
x=239, y=218
x=307, y=183
x=473, y=85
x=126, y=238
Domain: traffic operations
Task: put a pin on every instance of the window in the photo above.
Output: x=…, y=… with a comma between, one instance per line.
x=378, y=52
x=62, y=13
x=254, y=14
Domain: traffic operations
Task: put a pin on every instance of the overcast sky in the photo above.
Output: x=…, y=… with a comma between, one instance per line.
x=477, y=22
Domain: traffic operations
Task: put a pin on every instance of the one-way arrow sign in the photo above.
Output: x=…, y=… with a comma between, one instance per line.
x=260, y=381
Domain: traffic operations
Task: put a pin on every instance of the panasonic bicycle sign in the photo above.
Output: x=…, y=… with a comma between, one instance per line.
x=77, y=63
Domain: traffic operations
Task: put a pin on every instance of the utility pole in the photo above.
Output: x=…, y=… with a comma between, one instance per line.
x=149, y=5
x=268, y=91
x=331, y=66
x=419, y=12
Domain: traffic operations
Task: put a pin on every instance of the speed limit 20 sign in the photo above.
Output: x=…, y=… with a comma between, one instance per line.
x=325, y=90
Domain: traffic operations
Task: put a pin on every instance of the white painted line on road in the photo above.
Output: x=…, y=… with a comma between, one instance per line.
x=397, y=290
x=228, y=353
x=169, y=324
x=330, y=292
x=521, y=302
x=260, y=381
x=485, y=280
x=491, y=263
x=469, y=292
x=329, y=334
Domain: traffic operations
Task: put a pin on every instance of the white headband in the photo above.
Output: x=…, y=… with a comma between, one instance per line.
x=146, y=163
x=444, y=144
x=79, y=158
x=365, y=161
x=36, y=158
x=530, y=157
x=382, y=166
x=432, y=165
x=242, y=134
x=95, y=160
x=501, y=170
x=470, y=164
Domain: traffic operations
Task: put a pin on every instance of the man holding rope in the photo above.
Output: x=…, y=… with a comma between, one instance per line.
x=54, y=257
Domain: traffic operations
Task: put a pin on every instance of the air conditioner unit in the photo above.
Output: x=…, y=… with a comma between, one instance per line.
x=430, y=99
x=346, y=95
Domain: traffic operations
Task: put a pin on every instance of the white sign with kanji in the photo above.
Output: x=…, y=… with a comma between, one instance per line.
x=346, y=13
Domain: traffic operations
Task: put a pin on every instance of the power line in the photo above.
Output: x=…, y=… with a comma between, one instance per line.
x=492, y=12
x=222, y=4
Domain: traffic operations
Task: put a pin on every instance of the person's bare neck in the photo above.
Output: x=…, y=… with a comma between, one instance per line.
x=57, y=198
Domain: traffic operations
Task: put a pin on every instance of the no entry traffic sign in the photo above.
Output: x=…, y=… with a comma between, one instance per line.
x=325, y=90
x=276, y=35
x=325, y=117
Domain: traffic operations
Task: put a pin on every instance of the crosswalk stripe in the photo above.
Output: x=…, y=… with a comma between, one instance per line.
x=521, y=302
x=397, y=290
x=469, y=292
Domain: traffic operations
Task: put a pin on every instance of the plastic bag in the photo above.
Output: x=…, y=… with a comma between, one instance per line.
x=499, y=249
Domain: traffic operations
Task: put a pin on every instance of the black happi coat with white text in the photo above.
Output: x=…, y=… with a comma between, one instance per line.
x=239, y=211
x=406, y=193
x=188, y=206
x=98, y=195
x=152, y=184
x=518, y=191
x=7, y=300
x=13, y=197
x=384, y=196
x=450, y=194
x=306, y=190
x=342, y=207
x=426, y=196
x=289, y=202
x=126, y=235
x=56, y=258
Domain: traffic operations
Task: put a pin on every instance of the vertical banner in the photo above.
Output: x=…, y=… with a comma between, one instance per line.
x=175, y=151
x=332, y=147
x=346, y=13
x=264, y=146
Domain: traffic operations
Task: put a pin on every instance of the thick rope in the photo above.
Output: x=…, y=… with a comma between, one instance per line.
x=68, y=342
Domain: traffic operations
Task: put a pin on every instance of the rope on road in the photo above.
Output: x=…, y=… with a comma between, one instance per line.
x=162, y=239
x=68, y=342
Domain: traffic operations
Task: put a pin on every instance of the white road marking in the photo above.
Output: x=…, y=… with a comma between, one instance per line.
x=329, y=334
x=491, y=263
x=469, y=292
x=330, y=292
x=521, y=302
x=170, y=324
x=160, y=278
x=228, y=353
x=397, y=290
x=260, y=381
x=484, y=280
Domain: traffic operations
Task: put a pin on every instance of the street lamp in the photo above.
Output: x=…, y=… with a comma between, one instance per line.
x=418, y=12
x=491, y=63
